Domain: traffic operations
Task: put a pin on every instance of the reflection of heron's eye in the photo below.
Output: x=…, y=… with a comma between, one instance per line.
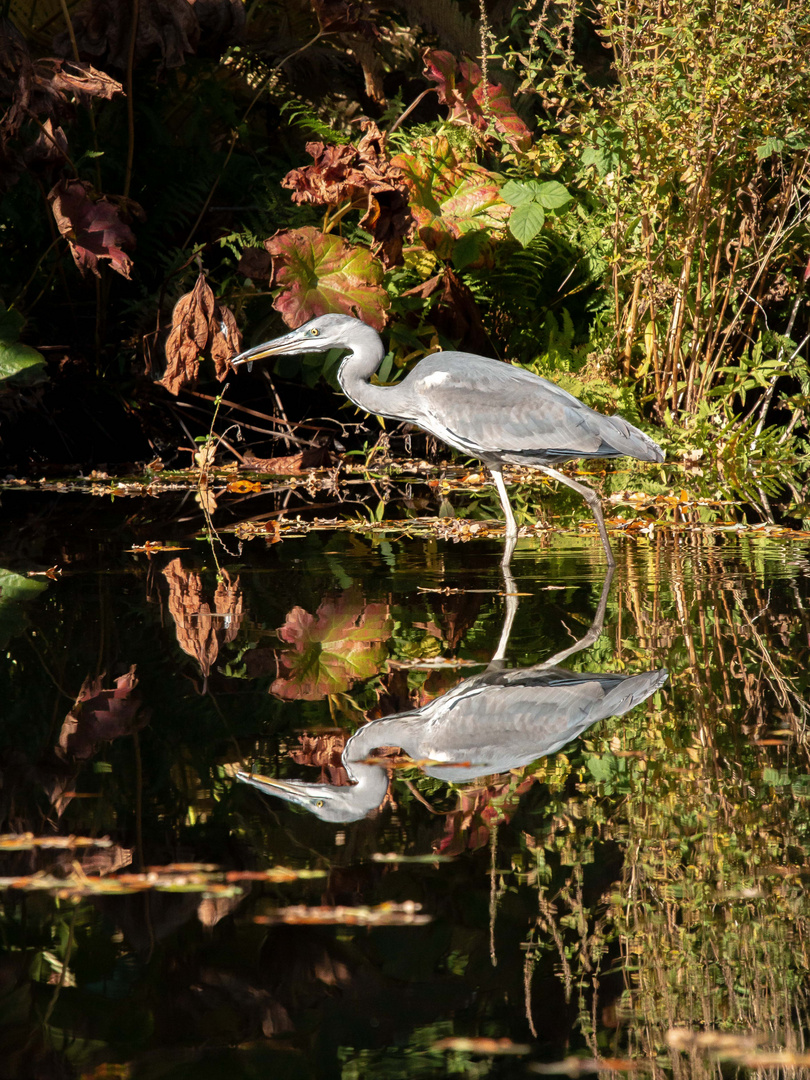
x=319, y=803
x=314, y=332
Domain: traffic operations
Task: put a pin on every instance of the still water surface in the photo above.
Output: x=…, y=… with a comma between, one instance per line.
x=594, y=852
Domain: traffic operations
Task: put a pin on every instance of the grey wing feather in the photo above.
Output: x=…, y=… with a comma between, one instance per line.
x=489, y=405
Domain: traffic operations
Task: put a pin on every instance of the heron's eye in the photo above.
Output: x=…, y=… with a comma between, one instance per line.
x=319, y=803
x=314, y=332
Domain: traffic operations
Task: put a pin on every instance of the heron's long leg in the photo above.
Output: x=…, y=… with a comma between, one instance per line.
x=497, y=476
x=592, y=499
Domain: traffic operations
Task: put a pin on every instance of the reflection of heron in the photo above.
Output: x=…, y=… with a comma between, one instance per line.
x=491, y=723
x=484, y=408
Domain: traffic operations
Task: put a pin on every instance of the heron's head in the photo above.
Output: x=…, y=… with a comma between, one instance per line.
x=336, y=804
x=318, y=335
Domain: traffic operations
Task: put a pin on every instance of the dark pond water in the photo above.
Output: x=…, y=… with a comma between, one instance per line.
x=582, y=858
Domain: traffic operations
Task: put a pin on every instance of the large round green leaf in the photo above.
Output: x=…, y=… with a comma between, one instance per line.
x=319, y=273
x=450, y=197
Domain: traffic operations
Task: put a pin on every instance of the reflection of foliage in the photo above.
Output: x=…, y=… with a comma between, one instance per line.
x=711, y=826
x=15, y=591
x=664, y=857
x=481, y=809
x=201, y=629
x=342, y=642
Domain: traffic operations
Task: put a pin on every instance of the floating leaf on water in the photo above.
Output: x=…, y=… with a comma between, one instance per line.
x=27, y=841
x=481, y=1045
x=406, y=914
x=575, y=1066
x=394, y=857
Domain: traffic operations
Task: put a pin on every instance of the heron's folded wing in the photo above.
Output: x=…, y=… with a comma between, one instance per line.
x=484, y=405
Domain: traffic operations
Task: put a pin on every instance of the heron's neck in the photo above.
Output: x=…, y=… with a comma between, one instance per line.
x=357, y=368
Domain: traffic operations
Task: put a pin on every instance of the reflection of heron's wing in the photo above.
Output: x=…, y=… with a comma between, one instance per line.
x=503, y=720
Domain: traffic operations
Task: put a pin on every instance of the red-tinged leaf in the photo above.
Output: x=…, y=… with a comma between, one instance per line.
x=319, y=273
x=451, y=197
x=461, y=87
x=92, y=225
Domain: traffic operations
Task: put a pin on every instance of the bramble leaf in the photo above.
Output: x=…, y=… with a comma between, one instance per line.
x=526, y=222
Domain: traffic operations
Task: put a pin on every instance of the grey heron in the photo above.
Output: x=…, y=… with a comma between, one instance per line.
x=490, y=723
x=485, y=408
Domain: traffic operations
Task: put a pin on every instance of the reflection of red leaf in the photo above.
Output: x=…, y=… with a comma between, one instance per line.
x=92, y=225
x=481, y=809
x=319, y=273
x=364, y=176
x=199, y=322
x=339, y=645
x=201, y=630
x=324, y=752
x=461, y=86
x=101, y=716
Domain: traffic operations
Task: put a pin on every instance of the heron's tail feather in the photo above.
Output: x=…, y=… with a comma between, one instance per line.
x=628, y=440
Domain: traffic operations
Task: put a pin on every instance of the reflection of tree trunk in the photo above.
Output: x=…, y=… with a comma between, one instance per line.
x=200, y=630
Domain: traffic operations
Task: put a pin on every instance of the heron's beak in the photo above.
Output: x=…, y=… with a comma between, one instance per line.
x=288, y=343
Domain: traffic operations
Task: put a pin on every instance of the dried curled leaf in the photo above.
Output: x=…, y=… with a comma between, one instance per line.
x=83, y=80
x=364, y=176
x=92, y=225
x=199, y=323
x=313, y=457
x=320, y=273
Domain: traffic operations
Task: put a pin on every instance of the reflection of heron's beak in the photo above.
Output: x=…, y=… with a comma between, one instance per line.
x=289, y=343
x=300, y=792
